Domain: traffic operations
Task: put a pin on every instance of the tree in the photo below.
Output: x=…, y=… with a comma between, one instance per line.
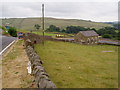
x=63, y=31
x=53, y=28
x=37, y=26
x=12, y=31
x=74, y=29
x=118, y=35
x=108, y=32
x=93, y=29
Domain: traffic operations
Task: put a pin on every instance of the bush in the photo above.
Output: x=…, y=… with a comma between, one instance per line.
x=37, y=26
x=107, y=36
x=12, y=31
x=3, y=28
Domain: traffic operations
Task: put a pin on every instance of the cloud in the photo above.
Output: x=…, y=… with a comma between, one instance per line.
x=96, y=11
x=20, y=9
x=59, y=1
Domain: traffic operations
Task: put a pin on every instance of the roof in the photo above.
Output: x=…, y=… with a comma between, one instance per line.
x=89, y=33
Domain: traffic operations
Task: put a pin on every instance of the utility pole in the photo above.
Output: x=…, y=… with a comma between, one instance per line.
x=43, y=21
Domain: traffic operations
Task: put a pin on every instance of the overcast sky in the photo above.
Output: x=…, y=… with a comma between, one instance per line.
x=95, y=10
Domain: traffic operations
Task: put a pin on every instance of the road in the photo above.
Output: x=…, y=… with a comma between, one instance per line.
x=102, y=41
x=109, y=42
x=5, y=41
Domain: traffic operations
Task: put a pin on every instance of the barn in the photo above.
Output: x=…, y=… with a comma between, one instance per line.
x=87, y=37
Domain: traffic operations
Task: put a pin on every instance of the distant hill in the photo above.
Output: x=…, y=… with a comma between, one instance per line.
x=115, y=24
x=28, y=23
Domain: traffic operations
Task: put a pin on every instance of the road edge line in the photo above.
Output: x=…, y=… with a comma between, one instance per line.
x=7, y=47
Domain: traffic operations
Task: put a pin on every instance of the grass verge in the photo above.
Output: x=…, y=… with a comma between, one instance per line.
x=14, y=68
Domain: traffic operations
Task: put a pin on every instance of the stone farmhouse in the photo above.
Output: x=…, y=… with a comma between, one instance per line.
x=86, y=37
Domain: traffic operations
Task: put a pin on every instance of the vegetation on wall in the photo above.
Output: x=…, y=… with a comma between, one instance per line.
x=12, y=31
x=4, y=32
x=3, y=28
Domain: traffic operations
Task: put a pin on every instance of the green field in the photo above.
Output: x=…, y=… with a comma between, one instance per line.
x=28, y=23
x=45, y=33
x=38, y=32
x=53, y=34
x=80, y=66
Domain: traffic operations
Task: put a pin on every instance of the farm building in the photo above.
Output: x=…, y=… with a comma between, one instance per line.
x=87, y=37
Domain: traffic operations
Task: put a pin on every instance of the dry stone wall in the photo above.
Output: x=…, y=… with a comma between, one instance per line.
x=41, y=77
x=34, y=38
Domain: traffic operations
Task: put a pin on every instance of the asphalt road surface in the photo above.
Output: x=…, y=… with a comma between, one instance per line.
x=5, y=41
x=109, y=42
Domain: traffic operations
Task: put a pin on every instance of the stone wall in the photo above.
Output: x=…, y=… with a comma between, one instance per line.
x=41, y=77
x=34, y=38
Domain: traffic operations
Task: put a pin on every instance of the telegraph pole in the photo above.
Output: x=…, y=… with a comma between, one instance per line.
x=43, y=21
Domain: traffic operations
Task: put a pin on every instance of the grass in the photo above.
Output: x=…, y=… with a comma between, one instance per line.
x=46, y=33
x=24, y=31
x=37, y=32
x=79, y=66
x=14, y=53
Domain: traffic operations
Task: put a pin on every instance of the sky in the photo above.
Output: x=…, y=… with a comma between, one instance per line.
x=94, y=10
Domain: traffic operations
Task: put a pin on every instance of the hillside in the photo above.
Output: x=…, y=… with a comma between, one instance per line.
x=28, y=23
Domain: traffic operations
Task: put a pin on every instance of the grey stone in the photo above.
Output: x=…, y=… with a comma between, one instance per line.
x=41, y=77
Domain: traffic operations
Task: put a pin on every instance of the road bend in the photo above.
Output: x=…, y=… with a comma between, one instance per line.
x=5, y=41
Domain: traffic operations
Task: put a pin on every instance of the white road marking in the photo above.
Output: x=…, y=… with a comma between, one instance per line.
x=7, y=47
